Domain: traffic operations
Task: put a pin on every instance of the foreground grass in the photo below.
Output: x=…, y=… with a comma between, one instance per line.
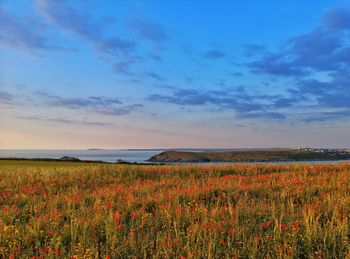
x=93, y=210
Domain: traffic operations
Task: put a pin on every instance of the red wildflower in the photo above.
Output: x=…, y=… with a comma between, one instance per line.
x=118, y=227
x=295, y=227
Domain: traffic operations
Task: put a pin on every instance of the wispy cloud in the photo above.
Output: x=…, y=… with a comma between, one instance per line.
x=88, y=28
x=25, y=32
x=262, y=115
x=153, y=32
x=244, y=104
x=6, y=98
x=121, y=52
x=64, y=121
x=74, y=103
x=325, y=116
x=97, y=104
x=121, y=110
x=156, y=76
x=250, y=50
x=214, y=54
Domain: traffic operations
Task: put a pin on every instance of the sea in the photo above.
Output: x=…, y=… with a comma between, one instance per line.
x=128, y=155
x=95, y=155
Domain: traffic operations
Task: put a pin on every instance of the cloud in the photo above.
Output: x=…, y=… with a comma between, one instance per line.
x=88, y=28
x=275, y=64
x=334, y=93
x=250, y=50
x=239, y=101
x=262, y=115
x=97, y=104
x=183, y=97
x=154, y=33
x=64, y=121
x=236, y=74
x=324, y=49
x=118, y=111
x=155, y=76
x=337, y=18
x=122, y=67
x=25, y=32
x=121, y=53
x=214, y=54
x=75, y=103
x=325, y=116
x=6, y=98
x=150, y=31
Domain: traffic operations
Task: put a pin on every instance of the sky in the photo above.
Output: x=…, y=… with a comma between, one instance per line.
x=169, y=74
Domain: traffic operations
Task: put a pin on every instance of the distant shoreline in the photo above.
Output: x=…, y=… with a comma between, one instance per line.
x=273, y=155
x=195, y=156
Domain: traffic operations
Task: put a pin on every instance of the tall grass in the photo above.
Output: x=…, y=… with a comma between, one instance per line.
x=120, y=211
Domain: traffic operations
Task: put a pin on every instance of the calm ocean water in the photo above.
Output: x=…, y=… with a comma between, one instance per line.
x=104, y=155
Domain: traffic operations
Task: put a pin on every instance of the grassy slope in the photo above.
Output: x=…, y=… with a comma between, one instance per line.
x=242, y=156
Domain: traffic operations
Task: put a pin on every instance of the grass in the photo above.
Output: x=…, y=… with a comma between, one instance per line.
x=77, y=210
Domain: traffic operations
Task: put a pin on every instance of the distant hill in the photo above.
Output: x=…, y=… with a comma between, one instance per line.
x=271, y=155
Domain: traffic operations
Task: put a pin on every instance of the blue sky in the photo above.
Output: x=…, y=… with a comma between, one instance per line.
x=146, y=74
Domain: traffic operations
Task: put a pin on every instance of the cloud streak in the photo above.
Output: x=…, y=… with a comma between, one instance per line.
x=64, y=121
x=86, y=27
x=97, y=104
x=214, y=54
x=244, y=104
x=152, y=32
x=6, y=98
x=15, y=32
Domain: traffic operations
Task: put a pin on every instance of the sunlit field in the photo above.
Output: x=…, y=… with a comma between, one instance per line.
x=67, y=210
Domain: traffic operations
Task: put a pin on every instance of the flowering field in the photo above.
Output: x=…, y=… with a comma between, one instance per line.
x=60, y=210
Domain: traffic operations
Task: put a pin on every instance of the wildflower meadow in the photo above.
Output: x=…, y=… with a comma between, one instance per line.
x=78, y=210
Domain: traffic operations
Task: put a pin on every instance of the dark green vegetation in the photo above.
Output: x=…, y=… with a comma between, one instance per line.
x=273, y=155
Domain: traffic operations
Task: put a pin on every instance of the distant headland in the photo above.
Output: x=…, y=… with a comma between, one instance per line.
x=267, y=155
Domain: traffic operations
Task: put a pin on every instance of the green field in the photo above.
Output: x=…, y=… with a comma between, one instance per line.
x=78, y=210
